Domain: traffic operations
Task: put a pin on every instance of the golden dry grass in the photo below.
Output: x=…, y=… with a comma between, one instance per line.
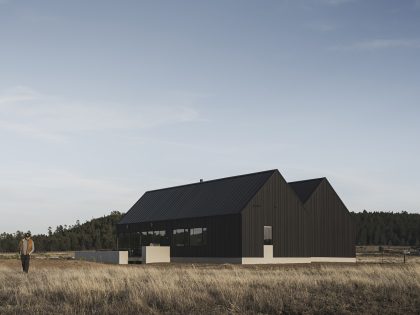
x=71, y=287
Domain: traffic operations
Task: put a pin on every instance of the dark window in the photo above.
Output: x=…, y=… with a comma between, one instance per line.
x=130, y=242
x=158, y=237
x=180, y=237
x=134, y=241
x=136, y=244
x=204, y=236
x=198, y=236
x=124, y=241
x=145, y=238
x=268, y=235
x=154, y=237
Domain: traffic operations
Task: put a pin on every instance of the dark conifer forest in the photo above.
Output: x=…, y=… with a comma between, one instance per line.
x=97, y=233
x=372, y=228
x=387, y=228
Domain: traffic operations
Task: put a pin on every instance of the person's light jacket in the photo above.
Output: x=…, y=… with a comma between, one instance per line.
x=29, y=248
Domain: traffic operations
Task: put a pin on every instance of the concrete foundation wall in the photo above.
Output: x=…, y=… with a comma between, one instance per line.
x=108, y=257
x=275, y=260
x=262, y=260
x=156, y=254
x=334, y=259
x=159, y=254
x=208, y=260
x=268, y=251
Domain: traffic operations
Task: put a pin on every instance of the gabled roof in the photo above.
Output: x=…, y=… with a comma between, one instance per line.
x=209, y=198
x=305, y=188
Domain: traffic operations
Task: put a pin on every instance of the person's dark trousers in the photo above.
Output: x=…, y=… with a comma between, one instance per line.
x=25, y=262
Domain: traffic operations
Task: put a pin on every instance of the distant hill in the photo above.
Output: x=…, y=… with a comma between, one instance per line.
x=97, y=233
x=373, y=228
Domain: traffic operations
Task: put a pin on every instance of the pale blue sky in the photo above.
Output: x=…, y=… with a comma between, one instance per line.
x=103, y=100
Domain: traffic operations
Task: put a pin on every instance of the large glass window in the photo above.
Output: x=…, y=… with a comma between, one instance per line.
x=124, y=241
x=204, y=236
x=130, y=242
x=268, y=235
x=158, y=237
x=180, y=237
x=145, y=238
x=154, y=237
x=198, y=236
x=135, y=240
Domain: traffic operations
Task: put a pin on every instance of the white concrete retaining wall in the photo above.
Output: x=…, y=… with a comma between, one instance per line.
x=275, y=260
x=156, y=254
x=269, y=259
x=262, y=260
x=208, y=260
x=334, y=259
x=108, y=257
x=268, y=251
x=161, y=254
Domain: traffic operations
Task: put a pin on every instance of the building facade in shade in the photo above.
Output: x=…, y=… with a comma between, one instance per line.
x=252, y=218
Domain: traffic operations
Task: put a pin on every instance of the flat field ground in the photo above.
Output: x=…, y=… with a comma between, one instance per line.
x=60, y=286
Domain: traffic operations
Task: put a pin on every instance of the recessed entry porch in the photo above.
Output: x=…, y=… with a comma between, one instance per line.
x=159, y=244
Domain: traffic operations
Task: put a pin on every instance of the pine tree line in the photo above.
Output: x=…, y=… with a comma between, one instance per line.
x=97, y=233
x=387, y=228
x=372, y=228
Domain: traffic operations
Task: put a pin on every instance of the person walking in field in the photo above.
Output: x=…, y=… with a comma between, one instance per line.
x=26, y=248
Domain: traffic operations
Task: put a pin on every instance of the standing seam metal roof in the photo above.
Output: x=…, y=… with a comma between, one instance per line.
x=209, y=198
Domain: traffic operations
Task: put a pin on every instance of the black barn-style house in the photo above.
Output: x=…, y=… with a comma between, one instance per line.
x=252, y=218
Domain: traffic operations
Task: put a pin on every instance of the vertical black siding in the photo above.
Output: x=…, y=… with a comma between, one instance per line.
x=277, y=205
x=223, y=235
x=322, y=227
x=331, y=226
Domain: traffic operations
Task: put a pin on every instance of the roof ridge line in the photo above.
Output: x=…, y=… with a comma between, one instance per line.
x=212, y=180
x=307, y=180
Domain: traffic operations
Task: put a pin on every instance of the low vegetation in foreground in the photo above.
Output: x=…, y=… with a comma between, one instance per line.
x=72, y=287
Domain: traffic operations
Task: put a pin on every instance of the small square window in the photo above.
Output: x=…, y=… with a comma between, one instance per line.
x=268, y=235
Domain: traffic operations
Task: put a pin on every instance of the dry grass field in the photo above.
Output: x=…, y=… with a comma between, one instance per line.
x=58, y=286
